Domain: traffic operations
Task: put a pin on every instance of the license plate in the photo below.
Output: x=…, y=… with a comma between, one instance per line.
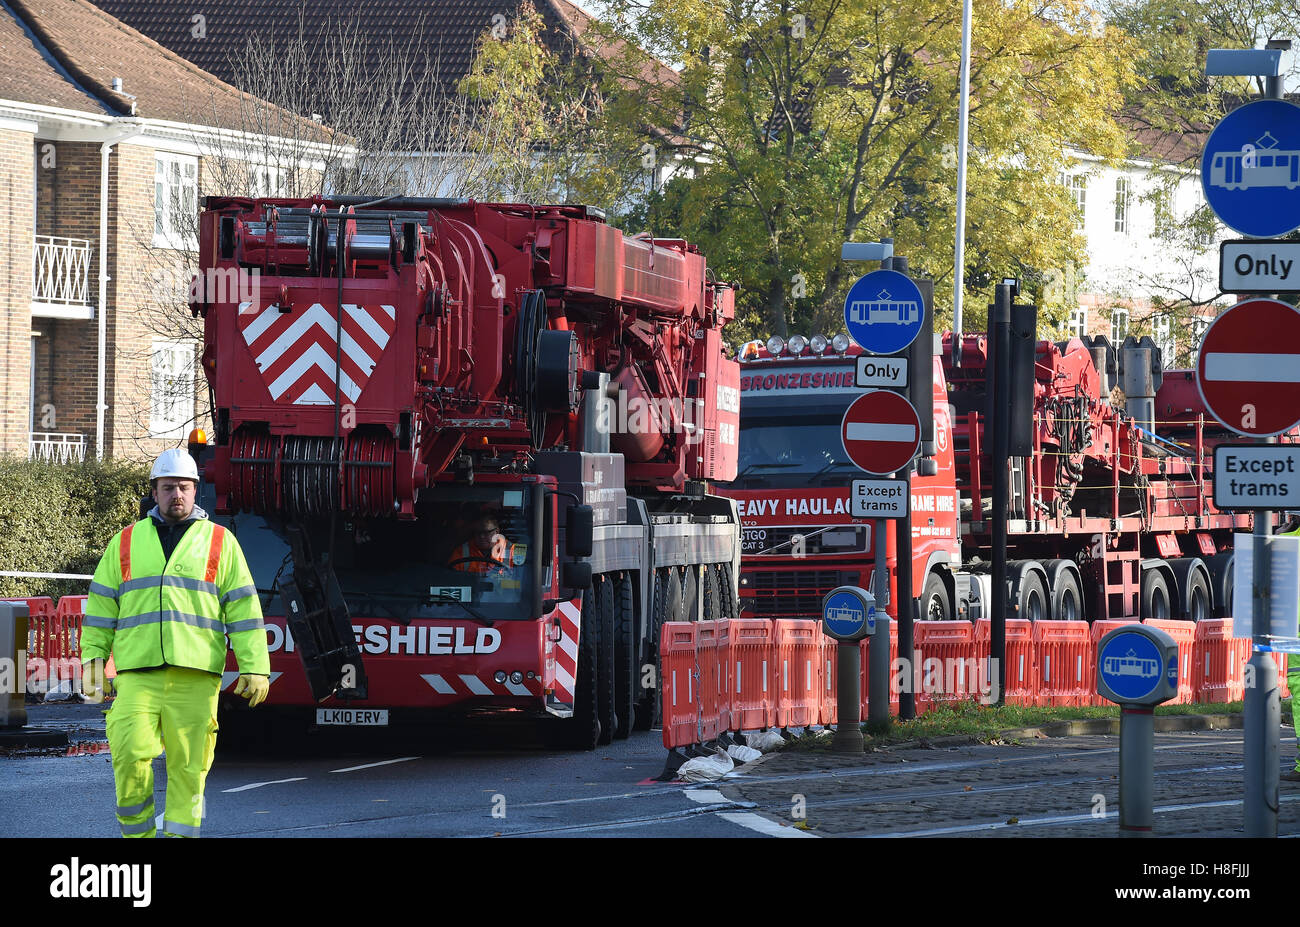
x=369, y=717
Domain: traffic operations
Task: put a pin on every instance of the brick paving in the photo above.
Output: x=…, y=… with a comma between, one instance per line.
x=1029, y=786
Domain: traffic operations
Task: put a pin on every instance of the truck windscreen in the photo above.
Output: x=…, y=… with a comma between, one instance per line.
x=468, y=552
x=786, y=444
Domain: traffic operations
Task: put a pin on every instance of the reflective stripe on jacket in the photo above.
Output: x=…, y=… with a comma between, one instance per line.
x=153, y=611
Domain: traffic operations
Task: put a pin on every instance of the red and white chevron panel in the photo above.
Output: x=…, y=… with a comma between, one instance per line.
x=472, y=684
x=566, y=656
x=295, y=350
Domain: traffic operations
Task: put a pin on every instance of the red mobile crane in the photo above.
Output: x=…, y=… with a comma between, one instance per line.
x=1111, y=516
x=529, y=365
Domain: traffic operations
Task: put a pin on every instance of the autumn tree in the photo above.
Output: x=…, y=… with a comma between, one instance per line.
x=813, y=122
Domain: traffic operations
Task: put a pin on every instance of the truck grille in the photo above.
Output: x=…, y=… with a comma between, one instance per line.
x=791, y=593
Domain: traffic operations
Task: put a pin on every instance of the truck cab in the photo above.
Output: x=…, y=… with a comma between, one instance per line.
x=798, y=535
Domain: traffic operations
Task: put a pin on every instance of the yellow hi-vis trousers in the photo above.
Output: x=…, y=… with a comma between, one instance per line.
x=172, y=708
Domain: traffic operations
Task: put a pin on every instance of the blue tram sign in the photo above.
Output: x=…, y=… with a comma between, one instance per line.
x=1137, y=665
x=848, y=613
x=884, y=311
x=1251, y=169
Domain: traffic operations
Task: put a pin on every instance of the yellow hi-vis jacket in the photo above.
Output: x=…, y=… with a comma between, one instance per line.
x=150, y=611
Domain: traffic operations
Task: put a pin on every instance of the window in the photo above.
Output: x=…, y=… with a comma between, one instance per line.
x=1118, y=325
x=267, y=180
x=171, y=388
x=1198, y=327
x=1079, y=321
x=1121, y=205
x=1077, y=186
x=175, y=201
x=1163, y=335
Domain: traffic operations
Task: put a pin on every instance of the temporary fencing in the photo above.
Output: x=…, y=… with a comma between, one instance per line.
x=1021, y=659
x=1184, y=635
x=947, y=666
x=1066, y=671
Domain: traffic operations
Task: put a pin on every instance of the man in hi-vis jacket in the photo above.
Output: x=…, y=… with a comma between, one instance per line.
x=167, y=593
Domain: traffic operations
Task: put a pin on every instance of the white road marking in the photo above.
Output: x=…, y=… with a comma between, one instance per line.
x=762, y=824
x=258, y=785
x=400, y=759
x=707, y=796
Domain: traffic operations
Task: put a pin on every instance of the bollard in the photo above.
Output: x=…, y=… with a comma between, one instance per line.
x=848, y=615
x=13, y=664
x=1137, y=668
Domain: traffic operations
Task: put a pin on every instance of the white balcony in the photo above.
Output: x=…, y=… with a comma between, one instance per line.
x=59, y=447
x=61, y=278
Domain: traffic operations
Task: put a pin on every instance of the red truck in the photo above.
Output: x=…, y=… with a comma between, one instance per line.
x=1109, y=517
x=468, y=454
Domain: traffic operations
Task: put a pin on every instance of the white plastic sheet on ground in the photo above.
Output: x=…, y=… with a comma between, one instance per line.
x=743, y=754
x=765, y=741
x=706, y=768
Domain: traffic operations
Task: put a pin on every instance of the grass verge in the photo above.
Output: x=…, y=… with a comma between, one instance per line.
x=990, y=723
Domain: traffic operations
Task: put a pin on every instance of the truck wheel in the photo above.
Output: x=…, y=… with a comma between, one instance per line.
x=625, y=666
x=934, y=600
x=728, y=593
x=673, y=606
x=713, y=608
x=648, y=708
x=1155, y=596
x=1067, y=597
x=1031, y=600
x=1198, y=597
x=690, y=593
x=582, y=731
x=605, y=709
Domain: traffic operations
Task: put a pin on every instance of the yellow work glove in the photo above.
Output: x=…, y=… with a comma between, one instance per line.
x=254, y=688
x=94, y=686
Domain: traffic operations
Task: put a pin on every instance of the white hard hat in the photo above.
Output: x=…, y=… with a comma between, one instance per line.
x=176, y=463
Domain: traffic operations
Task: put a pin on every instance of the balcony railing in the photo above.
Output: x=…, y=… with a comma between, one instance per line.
x=61, y=277
x=60, y=447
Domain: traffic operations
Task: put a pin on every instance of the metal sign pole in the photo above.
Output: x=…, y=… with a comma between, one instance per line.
x=1263, y=711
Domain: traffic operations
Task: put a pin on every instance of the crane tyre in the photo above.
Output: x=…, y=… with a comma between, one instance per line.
x=582, y=731
x=625, y=665
x=605, y=689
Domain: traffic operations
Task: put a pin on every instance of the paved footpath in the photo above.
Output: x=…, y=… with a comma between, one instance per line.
x=1028, y=785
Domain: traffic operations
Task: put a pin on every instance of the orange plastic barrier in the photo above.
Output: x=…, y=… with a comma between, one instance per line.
x=1100, y=629
x=677, y=663
x=723, y=673
x=40, y=612
x=1021, y=659
x=1184, y=635
x=830, y=673
x=795, y=671
x=751, y=699
x=706, y=664
x=1213, y=653
x=1066, y=666
x=894, y=689
x=949, y=666
x=1283, y=690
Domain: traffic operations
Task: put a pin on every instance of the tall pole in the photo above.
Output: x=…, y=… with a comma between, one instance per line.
x=1000, y=330
x=959, y=259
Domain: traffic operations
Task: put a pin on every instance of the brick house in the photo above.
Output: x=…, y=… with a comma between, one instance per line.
x=106, y=142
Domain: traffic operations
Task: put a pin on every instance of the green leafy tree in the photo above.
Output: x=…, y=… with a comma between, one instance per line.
x=807, y=123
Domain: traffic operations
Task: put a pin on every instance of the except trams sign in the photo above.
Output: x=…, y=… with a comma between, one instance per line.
x=879, y=498
x=1257, y=476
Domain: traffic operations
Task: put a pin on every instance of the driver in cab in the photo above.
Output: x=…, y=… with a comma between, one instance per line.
x=486, y=550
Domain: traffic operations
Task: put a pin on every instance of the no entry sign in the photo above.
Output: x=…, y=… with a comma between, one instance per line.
x=1248, y=370
x=881, y=432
